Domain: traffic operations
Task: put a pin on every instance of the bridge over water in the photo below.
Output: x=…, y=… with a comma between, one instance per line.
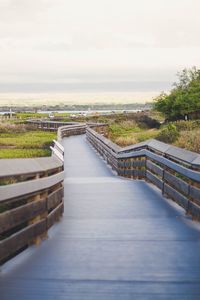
x=118, y=239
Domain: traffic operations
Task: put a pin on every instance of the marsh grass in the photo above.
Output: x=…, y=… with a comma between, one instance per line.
x=189, y=140
x=24, y=153
x=25, y=144
x=125, y=133
x=27, y=140
x=130, y=132
x=136, y=137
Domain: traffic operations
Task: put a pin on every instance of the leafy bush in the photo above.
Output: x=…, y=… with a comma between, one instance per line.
x=184, y=98
x=168, y=134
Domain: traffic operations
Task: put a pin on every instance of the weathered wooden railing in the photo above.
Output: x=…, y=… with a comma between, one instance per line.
x=65, y=128
x=31, y=201
x=49, y=125
x=173, y=170
x=69, y=130
x=31, y=191
x=31, y=195
x=77, y=129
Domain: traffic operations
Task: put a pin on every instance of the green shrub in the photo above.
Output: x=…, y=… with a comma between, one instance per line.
x=168, y=134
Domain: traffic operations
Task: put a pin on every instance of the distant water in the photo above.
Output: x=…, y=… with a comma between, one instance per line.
x=86, y=111
x=79, y=111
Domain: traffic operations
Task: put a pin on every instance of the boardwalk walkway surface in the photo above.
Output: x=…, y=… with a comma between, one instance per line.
x=118, y=239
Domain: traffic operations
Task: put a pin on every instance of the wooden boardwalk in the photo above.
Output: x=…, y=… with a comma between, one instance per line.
x=118, y=239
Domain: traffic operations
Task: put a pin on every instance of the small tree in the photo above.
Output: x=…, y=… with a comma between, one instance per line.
x=184, y=98
x=168, y=134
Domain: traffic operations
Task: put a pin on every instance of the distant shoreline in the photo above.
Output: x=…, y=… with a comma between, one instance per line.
x=79, y=111
x=103, y=108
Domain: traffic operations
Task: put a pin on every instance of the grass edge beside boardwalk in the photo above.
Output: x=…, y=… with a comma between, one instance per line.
x=26, y=144
x=24, y=153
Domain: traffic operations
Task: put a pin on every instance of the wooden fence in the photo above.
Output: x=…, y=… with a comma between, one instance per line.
x=46, y=124
x=173, y=170
x=31, y=201
x=31, y=196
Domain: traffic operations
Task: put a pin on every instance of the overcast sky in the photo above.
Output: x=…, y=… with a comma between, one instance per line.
x=118, y=45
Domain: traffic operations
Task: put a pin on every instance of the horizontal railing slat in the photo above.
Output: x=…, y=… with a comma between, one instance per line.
x=177, y=183
x=176, y=196
x=195, y=193
x=154, y=179
x=23, y=188
x=55, y=215
x=21, y=214
x=20, y=239
x=54, y=199
x=25, y=166
x=154, y=168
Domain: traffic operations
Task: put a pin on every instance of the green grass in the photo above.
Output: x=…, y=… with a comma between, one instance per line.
x=26, y=115
x=117, y=129
x=146, y=135
x=135, y=137
x=26, y=144
x=24, y=153
x=128, y=132
x=27, y=140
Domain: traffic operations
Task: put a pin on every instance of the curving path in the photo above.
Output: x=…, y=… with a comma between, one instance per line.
x=118, y=239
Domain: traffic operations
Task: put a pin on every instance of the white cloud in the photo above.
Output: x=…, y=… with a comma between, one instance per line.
x=48, y=41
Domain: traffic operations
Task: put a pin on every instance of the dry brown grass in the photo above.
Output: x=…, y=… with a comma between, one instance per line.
x=125, y=141
x=189, y=140
x=12, y=128
x=136, y=137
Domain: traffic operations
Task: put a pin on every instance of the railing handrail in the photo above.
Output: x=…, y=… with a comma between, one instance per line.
x=39, y=121
x=31, y=199
x=59, y=146
x=175, y=171
x=20, y=189
x=169, y=151
x=24, y=166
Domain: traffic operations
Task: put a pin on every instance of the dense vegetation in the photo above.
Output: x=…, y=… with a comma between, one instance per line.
x=183, y=99
x=184, y=134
